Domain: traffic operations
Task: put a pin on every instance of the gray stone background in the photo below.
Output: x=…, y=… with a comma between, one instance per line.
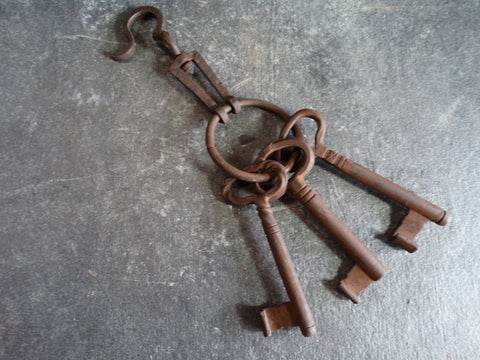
x=115, y=242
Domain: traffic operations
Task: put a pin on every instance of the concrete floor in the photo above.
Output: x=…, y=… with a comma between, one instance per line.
x=115, y=242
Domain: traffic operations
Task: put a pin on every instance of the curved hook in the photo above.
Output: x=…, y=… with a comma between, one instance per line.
x=159, y=34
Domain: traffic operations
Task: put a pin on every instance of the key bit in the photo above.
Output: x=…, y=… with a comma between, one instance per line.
x=404, y=236
x=355, y=282
x=277, y=317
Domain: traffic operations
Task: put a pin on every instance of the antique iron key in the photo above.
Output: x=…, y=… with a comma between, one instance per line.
x=296, y=312
x=419, y=209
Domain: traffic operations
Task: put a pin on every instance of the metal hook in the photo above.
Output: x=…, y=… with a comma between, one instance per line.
x=159, y=35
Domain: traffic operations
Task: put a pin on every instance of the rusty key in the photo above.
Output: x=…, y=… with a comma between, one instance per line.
x=419, y=209
x=368, y=268
x=296, y=312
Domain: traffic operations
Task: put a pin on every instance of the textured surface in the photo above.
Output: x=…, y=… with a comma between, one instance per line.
x=114, y=246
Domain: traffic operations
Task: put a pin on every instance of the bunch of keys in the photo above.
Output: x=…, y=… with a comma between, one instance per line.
x=269, y=167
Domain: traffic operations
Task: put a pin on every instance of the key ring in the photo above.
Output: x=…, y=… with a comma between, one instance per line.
x=308, y=160
x=224, y=164
x=275, y=193
x=319, y=135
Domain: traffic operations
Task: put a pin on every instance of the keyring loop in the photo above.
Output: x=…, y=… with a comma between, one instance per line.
x=276, y=192
x=319, y=135
x=308, y=160
x=224, y=164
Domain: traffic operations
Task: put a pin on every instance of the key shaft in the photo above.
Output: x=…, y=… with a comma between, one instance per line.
x=299, y=308
x=384, y=186
x=345, y=237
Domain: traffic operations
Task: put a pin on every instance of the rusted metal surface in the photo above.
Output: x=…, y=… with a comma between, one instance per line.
x=368, y=268
x=404, y=236
x=418, y=207
x=296, y=312
x=224, y=164
x=355, y=282
x=176, y=69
